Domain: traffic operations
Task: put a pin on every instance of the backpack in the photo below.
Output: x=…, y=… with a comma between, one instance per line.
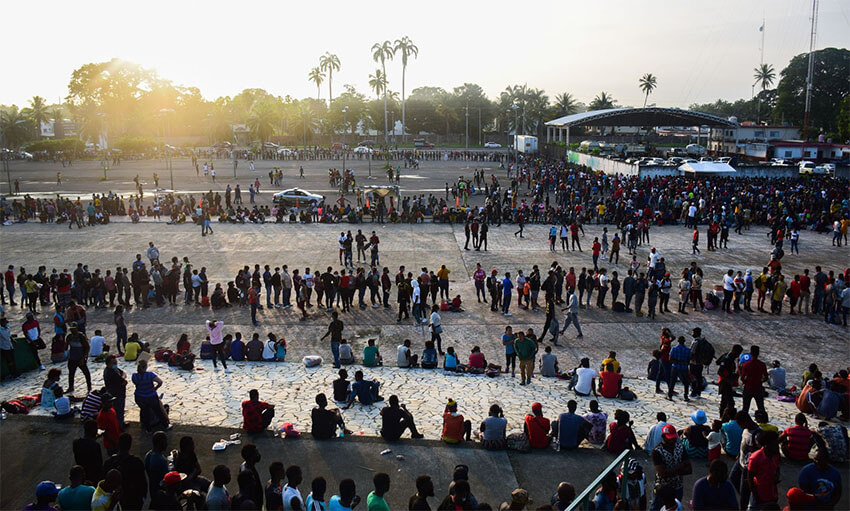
x=703, y=352
x=618, y=307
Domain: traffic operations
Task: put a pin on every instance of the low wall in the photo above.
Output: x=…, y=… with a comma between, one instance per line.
x=612, y=167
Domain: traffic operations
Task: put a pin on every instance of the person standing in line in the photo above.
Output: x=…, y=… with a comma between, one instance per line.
x=510, y=353
x=436, y=324
x=335, y=329
x=526, y=350
x=507, y=286
x=680, y=357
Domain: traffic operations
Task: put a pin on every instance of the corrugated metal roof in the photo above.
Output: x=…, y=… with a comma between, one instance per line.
x=652, y=116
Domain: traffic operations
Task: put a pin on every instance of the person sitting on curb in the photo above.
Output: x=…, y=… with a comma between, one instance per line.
x=570, y=429
x=371, y=355
x=256, y=414
x=493, y=428
x=364, y=390
x=455, y=428
x=325, y=422
x=395, y=419
x=405, y=358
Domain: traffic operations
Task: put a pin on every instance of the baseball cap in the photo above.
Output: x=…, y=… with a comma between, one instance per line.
x=536, y=407
x=519, y=495
x=47, y=488
x=669, y=431
x=797, y=496
x=172, y=477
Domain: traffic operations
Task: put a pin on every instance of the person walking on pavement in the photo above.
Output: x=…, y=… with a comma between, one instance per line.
x=335, y=329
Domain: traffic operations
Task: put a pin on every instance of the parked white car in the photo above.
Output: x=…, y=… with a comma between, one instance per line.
x=296, y=195
x=362, y=149
x=492, y=145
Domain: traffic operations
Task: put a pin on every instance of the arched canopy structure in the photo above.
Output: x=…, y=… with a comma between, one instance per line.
x=651, y=116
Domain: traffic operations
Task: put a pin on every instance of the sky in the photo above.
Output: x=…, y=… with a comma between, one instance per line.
x=699, y=51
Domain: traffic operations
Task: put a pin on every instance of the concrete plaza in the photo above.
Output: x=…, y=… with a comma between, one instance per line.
x=211, y=398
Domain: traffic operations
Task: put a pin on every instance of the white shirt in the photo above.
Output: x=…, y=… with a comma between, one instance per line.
x=653, y=259
x=268, y=351
x=308, y=277
x=96, y=345
x=585, y=379
x=435, y=319
x=196, y=281
x=288, y=494
x=401, y=358
x=728, y=283
x=692, y=211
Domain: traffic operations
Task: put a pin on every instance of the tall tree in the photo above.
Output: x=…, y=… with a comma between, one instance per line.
x=378, y=82
x=317, y=76
x=15, y=126
x=764, y=75
x=407, y=49
x=382, y=52
x=602, y=101
x=829, y=87
x=330, y=63
x=38, y=113
x=262, y=121
x=647, y=84
x=565, y=104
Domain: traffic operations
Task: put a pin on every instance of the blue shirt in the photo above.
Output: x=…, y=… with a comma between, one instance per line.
x=509, y=348
x=76, y=498
x=363, y=391
x=733, y=433
x=451, y=361
x=822, y=485
x=706, y=498
x=507, y=286
x=236, y=352
x=335, y=505
x=679, y=356
x=568, y=424
x=144, y=384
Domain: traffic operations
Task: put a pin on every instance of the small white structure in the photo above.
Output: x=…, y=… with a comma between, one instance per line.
x=707, y=169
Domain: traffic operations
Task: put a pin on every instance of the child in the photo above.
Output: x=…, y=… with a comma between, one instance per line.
x=715, y=439
x=62, y=405
x=456, y=304
x=51, y=387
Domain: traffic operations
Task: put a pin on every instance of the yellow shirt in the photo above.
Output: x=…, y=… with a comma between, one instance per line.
x=101, y=500
x=612, y=361
x=443, y=273
x=131, y=351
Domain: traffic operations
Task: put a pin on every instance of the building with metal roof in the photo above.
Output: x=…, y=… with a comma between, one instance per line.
x=558, y=130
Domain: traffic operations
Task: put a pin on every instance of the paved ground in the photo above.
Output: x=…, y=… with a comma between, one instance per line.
x=84, y=177
x=205, y=397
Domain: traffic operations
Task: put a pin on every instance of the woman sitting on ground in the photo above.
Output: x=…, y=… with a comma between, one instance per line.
x=476, y=359
x=217, y=300
x=232, y=293
x=429, y=356
x=450, y=363
x=183, y=345
x=207, y=352
x=456, y=304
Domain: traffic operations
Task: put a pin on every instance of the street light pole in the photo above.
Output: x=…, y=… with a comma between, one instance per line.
x=344, y=110
x=467, y=124
x=5, y=157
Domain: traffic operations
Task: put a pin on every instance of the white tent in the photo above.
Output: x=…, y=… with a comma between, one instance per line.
x=707, y=168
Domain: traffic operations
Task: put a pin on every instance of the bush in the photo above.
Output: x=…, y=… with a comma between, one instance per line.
x=64, y=145
x=135, y=145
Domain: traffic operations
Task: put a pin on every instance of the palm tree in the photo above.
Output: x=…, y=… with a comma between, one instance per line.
x=330, y=63
x=37, y=113
x=764, y=75
x=382, y=52
x=262, y=121
x=15, y=127
x=565, y=104
x=316, y=76
x=306, y=119
x=601, y=102
x=378, y=82
x=648, y=83
x=407, y=49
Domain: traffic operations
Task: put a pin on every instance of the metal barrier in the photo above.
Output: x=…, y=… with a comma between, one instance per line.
x=582, y=501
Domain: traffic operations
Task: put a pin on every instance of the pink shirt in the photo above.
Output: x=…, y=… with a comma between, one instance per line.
x=215, y=333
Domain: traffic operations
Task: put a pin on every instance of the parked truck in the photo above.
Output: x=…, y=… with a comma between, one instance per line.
x=525, y=144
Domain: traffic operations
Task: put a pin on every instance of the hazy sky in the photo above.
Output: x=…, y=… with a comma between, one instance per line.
x=700, y=51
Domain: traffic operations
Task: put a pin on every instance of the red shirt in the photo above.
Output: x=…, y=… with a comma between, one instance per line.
x=10, y=278
x=108, y=421
x=596, y=248
x=538, y=428
x=252, y=419
x=753, y=374
x=571, y=279
x=452, y=428
x=799, y=442
x=765, y=470
x=610, y=383
x=805, y=284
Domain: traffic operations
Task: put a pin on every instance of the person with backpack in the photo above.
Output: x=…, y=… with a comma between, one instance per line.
x=702, y=354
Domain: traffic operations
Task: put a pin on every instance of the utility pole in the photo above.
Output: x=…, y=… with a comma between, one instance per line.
x=812, y=42
x=467, y=124
x=5, y=157
x=479, y=125
x=344, y=110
